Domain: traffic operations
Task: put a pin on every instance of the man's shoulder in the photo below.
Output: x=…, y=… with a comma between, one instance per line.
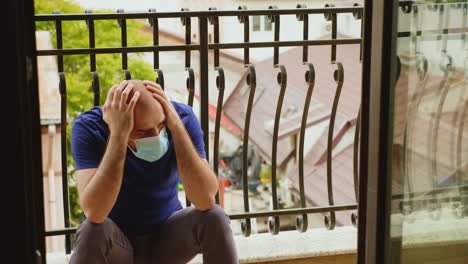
x=91, y=120
x=184, y=111
x=92, y=115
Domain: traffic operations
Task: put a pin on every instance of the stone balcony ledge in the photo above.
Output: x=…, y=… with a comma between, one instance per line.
x=287, y=245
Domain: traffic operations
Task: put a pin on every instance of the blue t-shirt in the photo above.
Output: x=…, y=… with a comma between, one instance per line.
x=149, y=191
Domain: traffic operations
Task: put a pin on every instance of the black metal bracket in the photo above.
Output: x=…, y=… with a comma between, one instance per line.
x=242, y=19
x=184, y=20
x=151, y=20
x=357, y=14
x=300, y=17
x=211, y=19
x=329, y=16
x=272, y=18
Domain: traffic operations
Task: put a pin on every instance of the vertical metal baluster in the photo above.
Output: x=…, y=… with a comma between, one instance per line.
x=338, y=75
x=190, y=82
x=457, y=210
x=274, y=223
x=251, y=81
x=92, y=60
x=92, y=42
x=462, y=184
x=63, y=131
x=220, y=83
x=246, y=21
x=445, y=16
x=446, y=66
x=406, y=206
x=354, y=216
x=214, y=20
x=440, y=10
x=305, y=32
x=96, y=88
x=302, y=221
x=187, y=22
x=153, y=21
x=204, y=84
x=333, y=18
x=123, y=33
x=275, y=19
x=462, y=211
x=358, y=16
x=422, y=66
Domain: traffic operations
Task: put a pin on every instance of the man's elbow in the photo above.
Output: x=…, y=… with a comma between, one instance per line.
x=93, y=216
x=95, y=219
x=206, y=205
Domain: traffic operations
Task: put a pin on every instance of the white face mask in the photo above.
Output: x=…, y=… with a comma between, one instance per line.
x=151, y=148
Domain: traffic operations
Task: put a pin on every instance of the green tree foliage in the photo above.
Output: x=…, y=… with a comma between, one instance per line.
x=77, y=67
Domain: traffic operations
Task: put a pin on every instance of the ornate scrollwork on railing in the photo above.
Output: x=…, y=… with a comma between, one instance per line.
x=251, y=81
x=302, y=221
x=282, y=79
x=220, y=84
x=338, y=76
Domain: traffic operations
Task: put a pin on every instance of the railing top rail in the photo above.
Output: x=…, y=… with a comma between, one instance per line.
x=208, y=13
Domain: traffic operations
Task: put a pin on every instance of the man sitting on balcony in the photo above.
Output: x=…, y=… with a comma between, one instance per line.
x=129, y=156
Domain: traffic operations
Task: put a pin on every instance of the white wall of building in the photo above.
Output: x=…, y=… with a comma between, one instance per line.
x=230, y=29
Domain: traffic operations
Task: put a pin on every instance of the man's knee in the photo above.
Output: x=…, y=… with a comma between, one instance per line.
x=215, y=216
x=91, y=244
x=92, y=233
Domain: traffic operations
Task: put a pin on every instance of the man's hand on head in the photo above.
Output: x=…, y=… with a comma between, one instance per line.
x=172, y=118
x=117, y=113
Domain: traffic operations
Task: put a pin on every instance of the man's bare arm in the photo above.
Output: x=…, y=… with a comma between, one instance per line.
x=98, y=188
x=200, y=182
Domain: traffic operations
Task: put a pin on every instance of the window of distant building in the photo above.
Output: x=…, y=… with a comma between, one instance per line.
x=267, y=24
x=256, y=23
x=261, y=23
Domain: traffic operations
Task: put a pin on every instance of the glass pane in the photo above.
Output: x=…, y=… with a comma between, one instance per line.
x=429, y=214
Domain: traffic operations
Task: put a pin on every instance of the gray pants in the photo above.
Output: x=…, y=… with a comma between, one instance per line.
x=186, y=233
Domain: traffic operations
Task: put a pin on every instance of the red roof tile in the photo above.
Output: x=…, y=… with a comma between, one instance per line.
x=324, y=91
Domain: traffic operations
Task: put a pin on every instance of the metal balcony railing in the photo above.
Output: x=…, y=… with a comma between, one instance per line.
x=205, y=20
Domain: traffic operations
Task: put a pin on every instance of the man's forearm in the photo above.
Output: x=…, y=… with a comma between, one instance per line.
x=101, y=192
x=199, y=180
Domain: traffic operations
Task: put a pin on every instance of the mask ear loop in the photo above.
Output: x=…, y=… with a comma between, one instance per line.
x=134, y=153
